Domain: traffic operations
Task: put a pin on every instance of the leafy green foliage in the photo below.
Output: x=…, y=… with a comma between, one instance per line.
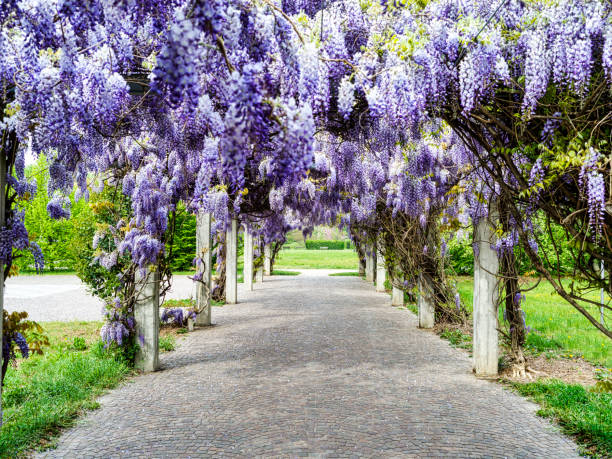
x=167, y=343
x=55, y=237
x=79, y=344
x=17, y=322
x=584, y=414
x=330, y=245
x=183, y=247
x=460, y=256
x=105, y=209
x=603, y=386
x=457, y=339
x=603, y=374
x=66, y=244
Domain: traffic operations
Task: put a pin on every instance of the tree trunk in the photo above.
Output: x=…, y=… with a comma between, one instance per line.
x=511, y=299
x=360, y=248
x=275, y=247
x=218, y=291
x=432, y=270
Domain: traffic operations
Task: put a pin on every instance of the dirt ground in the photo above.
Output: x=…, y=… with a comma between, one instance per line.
x=569, y=370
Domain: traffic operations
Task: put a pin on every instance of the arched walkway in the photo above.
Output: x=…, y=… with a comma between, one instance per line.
x=313, y=365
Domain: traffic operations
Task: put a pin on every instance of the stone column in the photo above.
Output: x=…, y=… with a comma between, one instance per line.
x=231, y=263
x=426, y=307
x=397, y=297
x=2, y=223
x=486, y=293
x=146, y=316
x=267, y=260
x=248, y=259
x=381, y=271
x=259, y=274
x=370, y=265
x=204, y=251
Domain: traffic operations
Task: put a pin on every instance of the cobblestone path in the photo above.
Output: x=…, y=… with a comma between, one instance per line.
x=313, y=366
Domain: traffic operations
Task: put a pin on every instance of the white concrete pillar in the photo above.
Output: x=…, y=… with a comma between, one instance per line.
x=146, y=316
x=204, y=251
x=370, y=265
x=486, y=293
x=2, y=223
x=259, y=274
x=426, y=305
x=397, y=297
x=247, y=271
x=267, y=266
x=231, y=263
x=381, y=270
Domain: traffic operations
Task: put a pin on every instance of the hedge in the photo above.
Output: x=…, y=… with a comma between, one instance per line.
x=331, y=245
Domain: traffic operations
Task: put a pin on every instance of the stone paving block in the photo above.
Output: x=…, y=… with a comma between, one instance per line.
x=317, y=366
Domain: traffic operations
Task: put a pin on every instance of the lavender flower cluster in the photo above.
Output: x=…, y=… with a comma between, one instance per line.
x=177, y=316
x=8, y=343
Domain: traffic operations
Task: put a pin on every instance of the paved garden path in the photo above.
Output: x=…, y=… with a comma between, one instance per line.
x=313, y=366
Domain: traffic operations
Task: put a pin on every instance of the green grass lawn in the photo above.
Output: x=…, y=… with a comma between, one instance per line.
x=46, y=272
x=279, y=272
x=316, y=259
x=350, y=273
x=584, y=414
x=555, y=323
x=46, y=393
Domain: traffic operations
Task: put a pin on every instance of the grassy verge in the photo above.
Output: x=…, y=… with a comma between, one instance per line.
x=280, y=272
x=63, y=335
x=556, y=326
x=44, y=394
x=186, y=303
x=412, y=307
x=457, y=338
x=317, y=259
x=167, y=343
x=350, y=273
x=583, y=414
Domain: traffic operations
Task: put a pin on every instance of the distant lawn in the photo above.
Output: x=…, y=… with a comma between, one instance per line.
x=555, y=323
x=47, y=272
x=317, y=259
x=278, y=272
x=350, y=273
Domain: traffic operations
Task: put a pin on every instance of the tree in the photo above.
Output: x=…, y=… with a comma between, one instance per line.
x=55, y=237
x=182, y=248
